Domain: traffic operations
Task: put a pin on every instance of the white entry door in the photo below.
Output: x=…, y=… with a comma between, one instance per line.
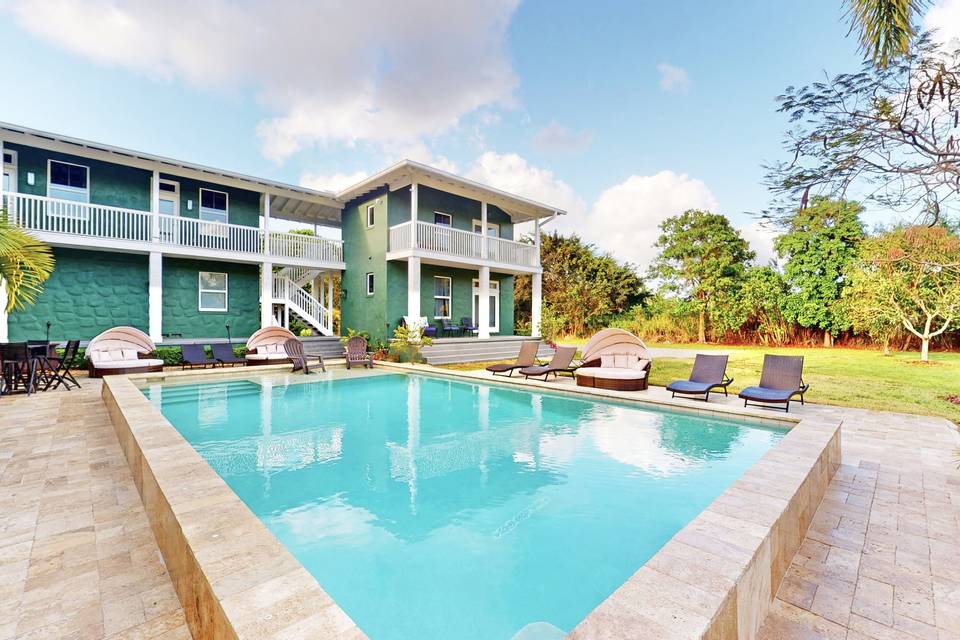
x=169, y=206
x=494, y=305
x=9, y=171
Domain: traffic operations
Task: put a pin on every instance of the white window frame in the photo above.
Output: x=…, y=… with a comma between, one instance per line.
x=490, y=226
x=448, y=298
x=475, y=308
x=10, y=168
x=73, y=209
x=449, y=217
x=213, y=227
x=371, y=216
x=225, y=291
x=371, y=283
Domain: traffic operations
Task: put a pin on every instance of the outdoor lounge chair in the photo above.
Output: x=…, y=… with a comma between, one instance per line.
x=560, y=363
x=223, y=351
x=195, y=355
x=356, y=352
x=615, y=359
x=265, y=346
x=448, y=327
x=121, y=350
x=296, y=354
x=780, y=380
x=526, y=358
x=709, y=373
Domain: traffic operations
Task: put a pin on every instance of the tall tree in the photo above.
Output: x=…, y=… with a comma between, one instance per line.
x=866, y=306
x=819, y=244
x=914, y=272
x=888, y=133
x=25, y=263
x=884, y=27
x=763, y=297
x=581, y=286
x=701, y=257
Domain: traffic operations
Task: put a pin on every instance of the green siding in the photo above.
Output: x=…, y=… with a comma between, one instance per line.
x=89, y=292
x=243, y=207
x=111, y=184
x=181, y=313
x=461, y=299
x=365, y=252
x=463, y=211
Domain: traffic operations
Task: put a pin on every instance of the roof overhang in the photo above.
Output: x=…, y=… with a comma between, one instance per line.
x=407, y=172
x=288, y=202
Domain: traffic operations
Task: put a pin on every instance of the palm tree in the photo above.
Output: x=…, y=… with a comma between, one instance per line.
x=884, y=26
x=25, y=263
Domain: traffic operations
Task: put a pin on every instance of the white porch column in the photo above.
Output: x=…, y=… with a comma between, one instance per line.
x=155, y=296
x=536, y=237
x=330, y=299
x=4, y=336
x=413, y=288
x=483, y=229
x=536, y=301
x=414, y=203
x=265, y=211
x=483, y=309
x=155, y=209
x=266, y=295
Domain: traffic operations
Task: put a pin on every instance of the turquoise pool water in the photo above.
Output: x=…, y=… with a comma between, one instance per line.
x=431, y=508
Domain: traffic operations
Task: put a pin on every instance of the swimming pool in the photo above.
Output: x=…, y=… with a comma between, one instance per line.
x=435, y=508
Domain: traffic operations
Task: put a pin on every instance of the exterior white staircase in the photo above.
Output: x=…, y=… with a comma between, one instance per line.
x=289, y=294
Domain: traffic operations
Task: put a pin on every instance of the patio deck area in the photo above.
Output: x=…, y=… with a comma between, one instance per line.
x=78, y=558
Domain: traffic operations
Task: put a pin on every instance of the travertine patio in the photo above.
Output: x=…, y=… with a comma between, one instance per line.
x=78, y=559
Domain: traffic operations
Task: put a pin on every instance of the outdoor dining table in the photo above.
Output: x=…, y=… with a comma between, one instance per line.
x=34, y=368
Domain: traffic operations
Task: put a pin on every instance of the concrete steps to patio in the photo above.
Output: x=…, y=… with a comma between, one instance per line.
x=457, y=350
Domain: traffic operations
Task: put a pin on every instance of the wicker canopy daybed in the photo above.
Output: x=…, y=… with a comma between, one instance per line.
x=121, y=350
x=615, y=359
x=265, y=346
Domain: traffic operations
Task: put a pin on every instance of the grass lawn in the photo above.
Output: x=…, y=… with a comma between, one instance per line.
x=847, y=377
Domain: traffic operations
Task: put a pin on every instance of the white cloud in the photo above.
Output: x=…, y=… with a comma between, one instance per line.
x=512, y=173
x=333, y=72
x=331, y=181
x=673, y=78
x=625, y=218
x=556, y=138
x=944, y=16
x=760, y=235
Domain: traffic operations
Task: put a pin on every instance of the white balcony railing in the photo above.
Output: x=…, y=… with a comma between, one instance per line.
x=461, y=244
x=50, y=215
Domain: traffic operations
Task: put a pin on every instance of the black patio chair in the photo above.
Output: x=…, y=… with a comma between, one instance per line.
x=709, y=373
x=448, y=327
x=467, y=325
x=223, y=352
x=18, y=367
x=59, y=372
x=195, y=355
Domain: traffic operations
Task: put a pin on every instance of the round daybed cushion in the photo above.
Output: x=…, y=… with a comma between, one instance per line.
x=267, y=356
x=612, y=373
x=141, y=363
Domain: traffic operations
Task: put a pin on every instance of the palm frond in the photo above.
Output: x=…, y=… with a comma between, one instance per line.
x=885, y=27
x=25, y=264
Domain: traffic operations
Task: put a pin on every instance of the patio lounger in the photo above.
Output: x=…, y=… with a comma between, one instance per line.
x=294, y=351
x=356, y=352
x=526, y=358
x=709, y=373
x=122, y=350
x=615, y=359
x=195, y=355
x=561, y=363
x=223, y=351
x=265, y=346
x=780, y=380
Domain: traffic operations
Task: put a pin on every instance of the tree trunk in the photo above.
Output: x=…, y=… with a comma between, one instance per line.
x=925, y=350
x=702, y=327
x=827, y=339
x=886, y=345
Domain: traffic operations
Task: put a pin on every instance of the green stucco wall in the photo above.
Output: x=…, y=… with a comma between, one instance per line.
x=89, y=292
x=181, y=313
x=365, y=252
x=462, y=210
x=461, y=302
x=243, y=207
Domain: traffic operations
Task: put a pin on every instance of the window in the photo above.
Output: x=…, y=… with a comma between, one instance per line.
x=494, y=318
x=369, y=284
x=213, y=291
x=371, y=216
x=441, y=297
x=68, y=181
x=213, y=206
x=9, y=171
x=493, y=229
x=442, y=219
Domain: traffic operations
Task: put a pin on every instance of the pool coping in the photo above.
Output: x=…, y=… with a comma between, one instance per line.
x=716, y=577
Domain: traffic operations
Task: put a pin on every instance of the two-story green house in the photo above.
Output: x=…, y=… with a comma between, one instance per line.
x=182, y=250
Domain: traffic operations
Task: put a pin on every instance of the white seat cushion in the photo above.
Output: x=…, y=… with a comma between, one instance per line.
x=266, y=356
x=128, y=364
x=612, y=373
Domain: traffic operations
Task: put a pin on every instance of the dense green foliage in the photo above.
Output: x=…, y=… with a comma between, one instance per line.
x=703, y=259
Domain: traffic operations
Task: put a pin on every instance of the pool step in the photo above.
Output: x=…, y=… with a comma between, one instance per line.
x=457, y=350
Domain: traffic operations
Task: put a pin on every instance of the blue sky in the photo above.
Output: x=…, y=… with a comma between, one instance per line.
x=622, y=113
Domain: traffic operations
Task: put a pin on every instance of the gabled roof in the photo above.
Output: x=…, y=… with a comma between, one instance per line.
x=289, y=202
x=404, y=173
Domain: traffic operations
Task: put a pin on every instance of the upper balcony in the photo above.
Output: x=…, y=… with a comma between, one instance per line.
x=456, y=247
x=68, y=223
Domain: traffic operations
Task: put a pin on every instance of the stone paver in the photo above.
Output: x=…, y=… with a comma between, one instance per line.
x=77, y=556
